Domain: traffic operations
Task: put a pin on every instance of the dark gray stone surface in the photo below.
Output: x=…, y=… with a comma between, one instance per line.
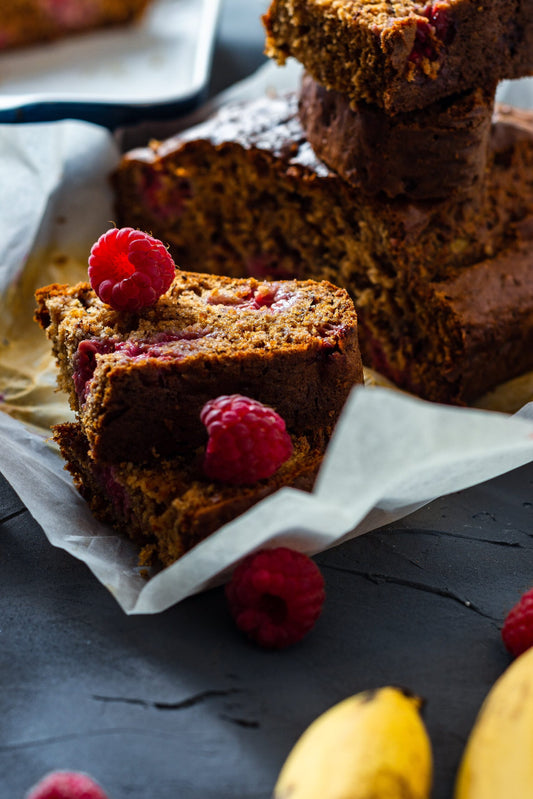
x=179, y=705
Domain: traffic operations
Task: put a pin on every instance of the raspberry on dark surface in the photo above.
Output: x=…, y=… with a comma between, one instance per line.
x=129, y=269
x=275, y=596
x=517, y=630
x=248, y=441
x=66, y=785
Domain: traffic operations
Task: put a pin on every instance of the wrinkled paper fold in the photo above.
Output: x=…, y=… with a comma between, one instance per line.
x=390, y=455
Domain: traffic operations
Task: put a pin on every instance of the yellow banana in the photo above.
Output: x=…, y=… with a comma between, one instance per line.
x=497, y=762
x=373, y=745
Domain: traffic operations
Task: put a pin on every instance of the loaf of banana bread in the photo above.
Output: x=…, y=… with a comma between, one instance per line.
x=403, y=54
x=244, y=193
x=25, y=22
x=138, y=381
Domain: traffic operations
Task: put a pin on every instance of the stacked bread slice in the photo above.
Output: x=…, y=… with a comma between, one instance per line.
x=138, y=381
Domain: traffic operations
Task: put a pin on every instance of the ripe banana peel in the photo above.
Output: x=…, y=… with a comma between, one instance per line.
x=497, y=762
x=373, y=745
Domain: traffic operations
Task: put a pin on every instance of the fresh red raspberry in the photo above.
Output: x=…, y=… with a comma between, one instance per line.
x=66, y=785
x=517, y=630
x=129, y=269
x=276, y=596
x=247, y=442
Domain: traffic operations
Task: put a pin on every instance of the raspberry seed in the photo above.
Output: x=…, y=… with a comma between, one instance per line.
x=129, y=269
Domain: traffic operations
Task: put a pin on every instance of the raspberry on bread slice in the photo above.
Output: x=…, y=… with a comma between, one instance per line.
x=129, y=269
x=248, y=441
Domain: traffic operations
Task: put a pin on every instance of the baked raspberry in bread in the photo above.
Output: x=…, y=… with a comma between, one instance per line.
x=138, y=380
x=169, y=506
x=435, y=152
x=403, y=54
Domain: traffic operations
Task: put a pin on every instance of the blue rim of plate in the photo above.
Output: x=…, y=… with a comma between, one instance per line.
x=113, y=114
x=109, y=115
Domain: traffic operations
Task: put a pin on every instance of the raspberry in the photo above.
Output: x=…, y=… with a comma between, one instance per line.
x=248, y=441
x=276, y=596
x=517, y=630
x=66, y=785
x=129, y=269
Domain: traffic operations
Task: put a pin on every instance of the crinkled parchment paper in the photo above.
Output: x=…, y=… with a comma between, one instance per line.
x=390, y=454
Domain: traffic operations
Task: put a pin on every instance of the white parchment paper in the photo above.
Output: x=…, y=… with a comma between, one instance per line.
x=390, y=453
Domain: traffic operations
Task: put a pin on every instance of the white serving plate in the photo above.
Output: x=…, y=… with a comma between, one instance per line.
x=157, y=67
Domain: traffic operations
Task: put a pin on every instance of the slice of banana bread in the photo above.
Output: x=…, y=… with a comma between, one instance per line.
x=403, y=54
x=168, y=507
x=436, y=152
x=138, y=381
x=452, y=339
x=24, y=22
